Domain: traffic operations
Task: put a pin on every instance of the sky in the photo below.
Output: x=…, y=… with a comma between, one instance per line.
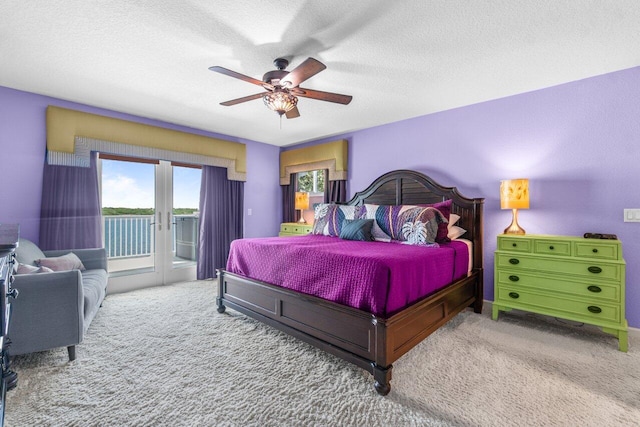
x=131, y=185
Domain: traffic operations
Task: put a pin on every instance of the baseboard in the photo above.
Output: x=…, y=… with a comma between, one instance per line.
x=634, y=333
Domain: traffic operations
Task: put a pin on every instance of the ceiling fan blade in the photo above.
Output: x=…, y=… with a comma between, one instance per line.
x=243, y=99
x=293, y=113
x=309, y=68
x=323, y=96
x=236, y=75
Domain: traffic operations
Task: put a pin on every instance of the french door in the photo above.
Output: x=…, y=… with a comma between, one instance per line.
x=151, y=222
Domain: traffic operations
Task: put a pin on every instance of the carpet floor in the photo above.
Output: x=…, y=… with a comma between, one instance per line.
x=165, y=357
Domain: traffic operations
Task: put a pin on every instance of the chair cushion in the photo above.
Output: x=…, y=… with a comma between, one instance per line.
x=94, y=284
x=27, y=252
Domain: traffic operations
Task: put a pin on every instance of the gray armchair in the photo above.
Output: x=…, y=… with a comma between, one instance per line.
x=55, y=309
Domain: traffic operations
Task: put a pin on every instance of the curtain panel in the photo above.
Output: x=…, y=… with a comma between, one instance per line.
x=221, y=219
x=70, y=216
x=288, y=200
x=336, y=191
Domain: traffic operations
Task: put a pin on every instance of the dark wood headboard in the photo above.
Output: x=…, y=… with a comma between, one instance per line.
x=406, y=187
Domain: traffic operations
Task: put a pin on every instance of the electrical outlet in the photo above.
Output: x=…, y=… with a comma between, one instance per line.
x=632, y=215
x=249, y=212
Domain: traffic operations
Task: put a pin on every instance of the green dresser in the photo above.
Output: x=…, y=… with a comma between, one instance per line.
x=566, y=277
x=294, y=229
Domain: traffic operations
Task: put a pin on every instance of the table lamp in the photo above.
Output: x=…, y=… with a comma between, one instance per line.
x=302, y=203
x=514, y=195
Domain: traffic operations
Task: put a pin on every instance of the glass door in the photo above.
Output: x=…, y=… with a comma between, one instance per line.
x=148, y=241
x=183, y=221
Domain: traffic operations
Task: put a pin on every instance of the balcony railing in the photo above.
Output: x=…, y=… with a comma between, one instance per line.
x=128, y=236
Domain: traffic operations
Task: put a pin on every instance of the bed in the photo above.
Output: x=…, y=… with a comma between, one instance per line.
x=371, y=338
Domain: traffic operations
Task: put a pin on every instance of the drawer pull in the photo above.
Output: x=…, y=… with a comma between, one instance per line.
x=514, y=295
x=514, y=261
x=594, y=288
x=551, y=248
x=594, y=250
x=594, y=269
x=514, y=278
x=594, y=309
x=515, y=245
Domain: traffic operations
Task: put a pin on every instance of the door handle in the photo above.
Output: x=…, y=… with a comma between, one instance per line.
x=168, y=220
x=159, y=221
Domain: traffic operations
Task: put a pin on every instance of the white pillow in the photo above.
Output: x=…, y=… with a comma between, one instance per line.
x=455, y=232
x=453, y=218
x=32, y=269
x=66, y=262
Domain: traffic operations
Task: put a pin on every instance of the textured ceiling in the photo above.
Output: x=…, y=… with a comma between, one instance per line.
x=399, y=59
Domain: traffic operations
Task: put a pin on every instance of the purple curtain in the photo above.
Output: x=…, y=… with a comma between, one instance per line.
x=70, y=216
x=221, y=219
x=288, y=200
x=336, y=191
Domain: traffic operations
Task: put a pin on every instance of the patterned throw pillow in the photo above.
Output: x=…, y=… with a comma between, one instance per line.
x=443, y=228
x=410, y=224
x=328, y=218
x=320, y=218
x=369, y=212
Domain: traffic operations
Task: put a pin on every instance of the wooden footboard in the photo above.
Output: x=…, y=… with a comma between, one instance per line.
x=368, y=341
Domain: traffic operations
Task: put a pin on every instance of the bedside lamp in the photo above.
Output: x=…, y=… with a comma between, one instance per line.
x=514, y=195
x=302, y=203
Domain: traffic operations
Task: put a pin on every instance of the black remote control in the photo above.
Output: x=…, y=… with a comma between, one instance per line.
x=600, y=236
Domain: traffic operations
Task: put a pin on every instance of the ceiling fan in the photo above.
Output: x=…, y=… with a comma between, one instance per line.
x=282, y=87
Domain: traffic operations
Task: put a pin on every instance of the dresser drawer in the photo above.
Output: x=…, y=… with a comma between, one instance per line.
x=295, y=229
x=594, y=270
x=514, y=244
x=591, y=311
x=551, y=247
x=606, y=292
x=597, y=249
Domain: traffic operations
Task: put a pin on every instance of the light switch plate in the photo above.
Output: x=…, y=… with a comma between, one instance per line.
x=632, y=215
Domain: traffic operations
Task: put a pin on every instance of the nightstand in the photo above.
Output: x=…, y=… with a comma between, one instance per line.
x=294, y=229
x=566, y=277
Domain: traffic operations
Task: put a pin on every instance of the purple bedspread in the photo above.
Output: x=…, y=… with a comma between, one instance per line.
x=377, y=277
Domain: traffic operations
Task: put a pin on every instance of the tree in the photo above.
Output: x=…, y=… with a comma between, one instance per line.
x=306, y=180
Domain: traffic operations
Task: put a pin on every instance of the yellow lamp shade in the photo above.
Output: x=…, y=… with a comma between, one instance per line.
x=302, y=200
x=514, y=194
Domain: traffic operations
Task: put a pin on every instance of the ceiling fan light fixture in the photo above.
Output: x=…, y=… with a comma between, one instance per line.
x=280, y=101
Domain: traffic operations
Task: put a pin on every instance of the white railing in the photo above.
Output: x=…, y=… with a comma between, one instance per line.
x=129, y=236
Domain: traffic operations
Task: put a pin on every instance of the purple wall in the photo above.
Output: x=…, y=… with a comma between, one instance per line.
x=23, y=144
x=578, y=143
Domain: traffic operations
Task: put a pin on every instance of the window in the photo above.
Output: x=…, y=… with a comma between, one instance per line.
x=311, y=182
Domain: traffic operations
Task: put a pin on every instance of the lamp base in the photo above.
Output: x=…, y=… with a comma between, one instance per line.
x=514, y=227
x=301, y=220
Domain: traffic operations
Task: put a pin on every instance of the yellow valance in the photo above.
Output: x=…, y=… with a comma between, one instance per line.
x=64, y=125
x=331, y=156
